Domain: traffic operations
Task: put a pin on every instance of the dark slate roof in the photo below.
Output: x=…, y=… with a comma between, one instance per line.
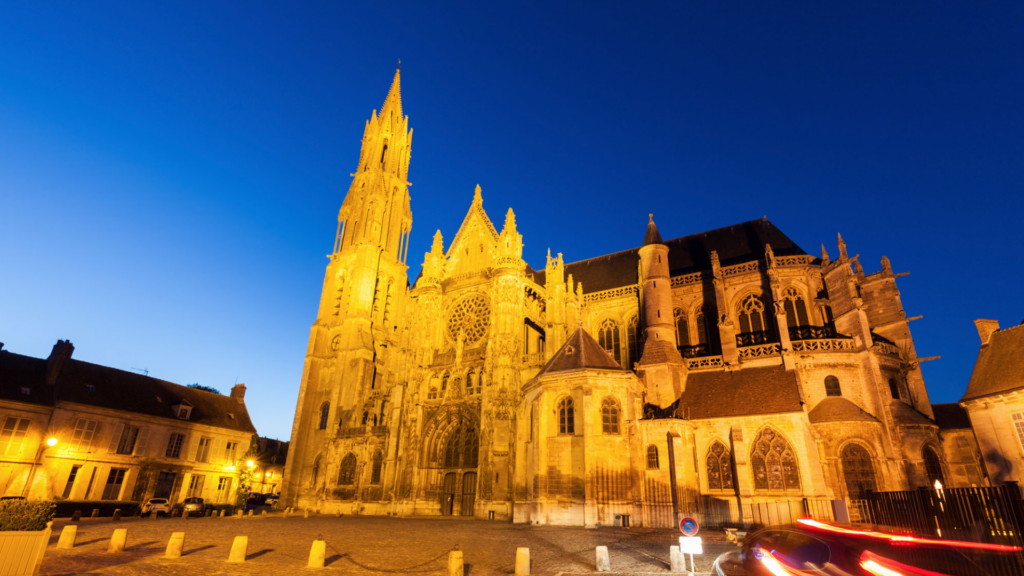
x=837, y=409
x=1000, y=364
x=951, y=416
x=652, y=236
x=116, y=390
x=660, y=352
x=903, y=413
x=745, y=392
x=579, y=352
x=735, y=244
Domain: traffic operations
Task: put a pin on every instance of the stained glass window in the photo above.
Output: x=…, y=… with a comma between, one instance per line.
x=773, y=463
x=610, y=416
x=565, y=417
x=608, y=338
x=378, y=463
x=652, y=457
x=751, y=313
x=832, y=386
x=347, y=473
x=719, y=464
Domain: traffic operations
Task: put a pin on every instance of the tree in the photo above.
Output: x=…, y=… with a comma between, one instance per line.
x=199, y=386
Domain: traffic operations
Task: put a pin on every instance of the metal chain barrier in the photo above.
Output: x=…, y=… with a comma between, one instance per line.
x=391, y=570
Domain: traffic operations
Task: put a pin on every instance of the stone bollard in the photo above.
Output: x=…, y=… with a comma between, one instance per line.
x=118, y=540
x=306, y=513
x=249, y=513
x=95, y=513
x=263, y=513
x=522, y=561
x=238, y=513
x=676, y=560
x=174, y=545
x=603, y=565
x=286, y=512
x=117, y=514
x=76, y=516
x=67, y=537
x=238, y=548
x=317, y=553
x=455, y=563
x=222, y=513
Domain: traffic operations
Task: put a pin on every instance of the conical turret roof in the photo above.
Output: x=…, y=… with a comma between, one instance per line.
x=652, y=236
x=579, y=352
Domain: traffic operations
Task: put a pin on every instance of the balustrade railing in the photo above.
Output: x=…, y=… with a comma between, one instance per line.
x=534, y=358
x=695, y=351
x=752, y=338
x=758, y=351
x=704, y=363
x=812, y=332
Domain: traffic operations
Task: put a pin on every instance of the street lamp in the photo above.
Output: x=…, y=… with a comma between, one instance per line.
x=51, y=442
x=249, y=463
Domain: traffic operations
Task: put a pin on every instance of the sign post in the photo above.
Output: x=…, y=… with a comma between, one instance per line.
x=690, y=543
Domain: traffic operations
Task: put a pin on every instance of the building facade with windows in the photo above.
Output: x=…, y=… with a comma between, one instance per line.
x=713, y=370
x=76, y=430
x=994, y=400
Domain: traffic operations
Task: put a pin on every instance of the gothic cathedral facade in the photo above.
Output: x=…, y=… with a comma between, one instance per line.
x=701, y=373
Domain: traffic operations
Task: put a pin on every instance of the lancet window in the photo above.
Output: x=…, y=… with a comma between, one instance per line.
x=608, y=338
x=702, y=326
x=652, y=457
x=719, y=465
x=610, y=416
x=682, y=329
x=462, y=449
x=635, y=342
x=932, y=466
x=796, y=309
x=316, y=471
x=378, y=464
x=752, y=316
x=325, y=410
x=347, y=472
x=566, y=424
x=774, y=463
x=832, y=386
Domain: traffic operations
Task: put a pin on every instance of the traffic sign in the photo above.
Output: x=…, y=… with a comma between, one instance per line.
x=690, y=545
x=688, y=526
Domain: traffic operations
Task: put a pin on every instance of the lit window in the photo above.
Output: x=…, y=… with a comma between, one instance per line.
x=203, y=453
x=84, y=432
x=652, y=457
x=12, y=436
x=565, y=417
x=832, y=386
x=610, y=416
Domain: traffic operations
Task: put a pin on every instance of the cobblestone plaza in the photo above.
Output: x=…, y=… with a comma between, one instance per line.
x=362, y=545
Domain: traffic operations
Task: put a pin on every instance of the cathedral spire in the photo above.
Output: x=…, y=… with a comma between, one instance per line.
x=393, y=101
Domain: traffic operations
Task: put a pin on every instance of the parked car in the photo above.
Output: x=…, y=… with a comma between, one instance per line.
x=815, y=547
x=271, y=500
x=194, y=506
x=255, y=498
x=156, y=506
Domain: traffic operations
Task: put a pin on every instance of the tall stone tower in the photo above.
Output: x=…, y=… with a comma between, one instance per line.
x=347, y=378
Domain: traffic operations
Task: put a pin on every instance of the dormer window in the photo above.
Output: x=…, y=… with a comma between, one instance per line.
x=183, y=413
x=90, y=388
x=25, y=390
x=182, y=410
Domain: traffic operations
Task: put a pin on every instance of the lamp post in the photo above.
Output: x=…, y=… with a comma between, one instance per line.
x=49, y=443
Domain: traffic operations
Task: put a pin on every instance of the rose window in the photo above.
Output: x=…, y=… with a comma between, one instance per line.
x=471, y=316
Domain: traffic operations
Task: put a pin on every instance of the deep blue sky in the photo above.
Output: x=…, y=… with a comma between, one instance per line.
x=170, y=177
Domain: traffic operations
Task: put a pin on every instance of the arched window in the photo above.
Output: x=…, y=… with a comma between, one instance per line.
x=652, y=457
x=378, y=463
x=610, y=416
x=347, y=472
x=316, y=471
x=608, y=338
x=832, y=386
x=858, y=471
x=932, y=466
x=384, y=153
x=826, y=315
x=565, y=416
x=366, y=417
x=462, y=448
x=894, y=389
x=773, y=463
x=444, y=383
x=702, y=326
x=325, y=410
x=635, y=341
x=796, y=310
x=472, y=383
x=682, y=330
x=719, y=463
x=432, y=395
x=752, y=316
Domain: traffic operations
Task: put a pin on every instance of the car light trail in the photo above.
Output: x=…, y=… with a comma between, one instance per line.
x=908, y=539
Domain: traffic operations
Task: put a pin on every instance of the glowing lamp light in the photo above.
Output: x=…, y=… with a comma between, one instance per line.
x=249, y=463
x=51, y=442
x=938, y=485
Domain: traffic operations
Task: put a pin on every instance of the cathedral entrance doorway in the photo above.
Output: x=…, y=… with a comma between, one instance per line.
x=468, y=493
x=448, y=494
x=858, y=471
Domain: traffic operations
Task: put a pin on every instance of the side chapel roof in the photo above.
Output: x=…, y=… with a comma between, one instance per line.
x=1000, y=364
x=735, y=244
x=836, y=409
x=951, y=416
x=579, y=352
x=747, y=392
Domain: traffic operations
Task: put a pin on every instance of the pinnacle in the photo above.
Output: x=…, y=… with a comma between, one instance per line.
x=394, y=97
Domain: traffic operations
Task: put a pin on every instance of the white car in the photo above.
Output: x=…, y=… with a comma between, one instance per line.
x=156, y=506
x=272, y=500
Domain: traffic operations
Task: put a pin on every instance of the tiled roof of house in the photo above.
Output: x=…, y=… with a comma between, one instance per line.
x=1000, y=364
x=837, y=409
x=735, y=244
x=579, y=352
x=745, y=392
x=117, y=390
x=951, y=416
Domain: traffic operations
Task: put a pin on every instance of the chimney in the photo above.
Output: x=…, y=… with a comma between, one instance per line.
x=986, y=328
x=60, y=354
x=238, y=393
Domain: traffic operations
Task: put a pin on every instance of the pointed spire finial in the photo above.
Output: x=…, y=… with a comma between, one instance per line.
x=394, y=97
x=510, y=221
x=842, y=248
x=438, y=246
x=652, y=236
x=477, y=197
x=824, y=254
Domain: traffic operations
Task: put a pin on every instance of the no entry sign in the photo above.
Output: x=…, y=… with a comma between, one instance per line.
x=688, y=526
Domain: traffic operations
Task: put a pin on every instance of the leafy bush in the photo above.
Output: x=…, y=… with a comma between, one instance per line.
x=25, y=515
x=229, y=509
x=65, y=508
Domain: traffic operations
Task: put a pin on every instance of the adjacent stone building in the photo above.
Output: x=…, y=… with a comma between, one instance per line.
x=683, y=375
x=114, y=435
x=995, y=400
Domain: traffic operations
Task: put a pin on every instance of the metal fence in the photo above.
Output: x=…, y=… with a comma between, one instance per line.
x=728, y=514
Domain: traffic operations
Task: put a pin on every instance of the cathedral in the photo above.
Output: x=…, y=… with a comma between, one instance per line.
x=715, y=370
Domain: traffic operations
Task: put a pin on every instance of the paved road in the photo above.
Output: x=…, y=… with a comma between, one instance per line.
x=362, y=545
